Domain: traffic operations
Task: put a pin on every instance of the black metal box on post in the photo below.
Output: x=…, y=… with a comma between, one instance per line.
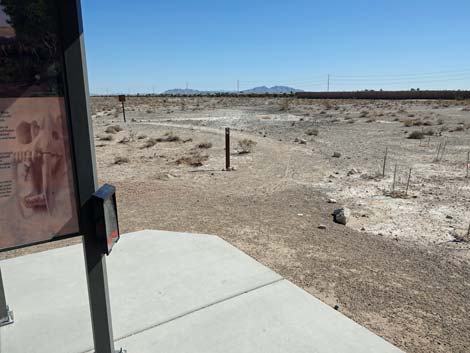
x=106, y=218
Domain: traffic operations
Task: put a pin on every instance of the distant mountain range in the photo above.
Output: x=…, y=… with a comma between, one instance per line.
x=256, y=90
x=271, y=90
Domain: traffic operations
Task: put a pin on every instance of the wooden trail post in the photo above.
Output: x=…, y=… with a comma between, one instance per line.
x=385, y=161
x=122, y=99
x=227, y=148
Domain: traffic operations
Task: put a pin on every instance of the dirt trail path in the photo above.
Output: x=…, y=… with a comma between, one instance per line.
x=416, y=297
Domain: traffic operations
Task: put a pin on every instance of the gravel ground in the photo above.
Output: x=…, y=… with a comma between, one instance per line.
x=400, y=266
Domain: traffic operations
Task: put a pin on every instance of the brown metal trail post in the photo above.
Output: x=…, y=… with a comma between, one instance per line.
x=124, y=112
x=122, y=99
x=227, y=148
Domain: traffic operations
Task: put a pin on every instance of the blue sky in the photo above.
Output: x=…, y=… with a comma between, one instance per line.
x=145, y=46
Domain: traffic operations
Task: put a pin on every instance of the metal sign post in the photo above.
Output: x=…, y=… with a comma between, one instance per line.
x=6, y=315
x=83, y=145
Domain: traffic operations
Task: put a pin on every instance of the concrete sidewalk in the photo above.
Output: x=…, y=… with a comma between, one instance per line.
x=172, y=292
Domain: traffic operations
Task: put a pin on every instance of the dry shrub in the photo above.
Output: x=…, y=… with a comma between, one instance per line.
x=284, y=105
x=113, y=129
x=312, y=132
x=204, y=145
x=429, y=132
x=246, y=146
x=105, y=137
x=371, y=120
x=149, y=143
x=168, y=137
x=193, y=159
x=363, y=114
x=125, y=140
x=327, y=105
x=141, y=137
x=121, y=160
x=411, y=122
x=416, y=135
x=440, y=121
x=459, y=128
x=407, y=122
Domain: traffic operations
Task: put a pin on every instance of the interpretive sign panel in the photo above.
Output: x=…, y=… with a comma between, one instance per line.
x=37, y=189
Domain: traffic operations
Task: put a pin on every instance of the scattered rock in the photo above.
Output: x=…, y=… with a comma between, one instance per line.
x=332, y=201
x=336, y=155
x=342, y=215
x=163, y=176
x=302, y=141
x=322, y=226
x=449, y=217
x=353, y=171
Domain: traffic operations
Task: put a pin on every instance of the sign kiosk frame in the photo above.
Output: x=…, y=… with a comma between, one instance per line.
x=81, y=144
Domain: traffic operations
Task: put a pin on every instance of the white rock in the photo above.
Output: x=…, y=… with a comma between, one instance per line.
x=332, y=201
x=353, y=171
x=342, y=215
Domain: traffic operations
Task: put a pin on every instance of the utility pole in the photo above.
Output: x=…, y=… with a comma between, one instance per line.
x=238, y=86
x=328, y=84
x=187, y=85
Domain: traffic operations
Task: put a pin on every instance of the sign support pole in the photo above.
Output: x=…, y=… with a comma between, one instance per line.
x=81, y=128
x=98, y=292
x=6, y=316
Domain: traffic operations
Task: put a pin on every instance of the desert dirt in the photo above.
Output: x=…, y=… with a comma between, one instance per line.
x=400, y=266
